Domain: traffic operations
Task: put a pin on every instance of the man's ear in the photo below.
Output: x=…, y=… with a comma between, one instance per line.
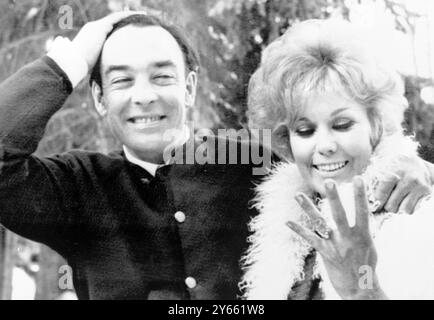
x=98, y=99
x=280, y=142
x=190, y=89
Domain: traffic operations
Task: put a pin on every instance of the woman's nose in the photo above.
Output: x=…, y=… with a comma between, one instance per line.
x=326, y=144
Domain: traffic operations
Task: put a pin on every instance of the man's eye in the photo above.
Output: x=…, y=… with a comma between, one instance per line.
x=343, y=125
x=120, y=80
x=164, y=79
x=164, y=76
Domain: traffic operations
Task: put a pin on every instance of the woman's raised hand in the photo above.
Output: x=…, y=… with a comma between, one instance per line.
x=347, y=252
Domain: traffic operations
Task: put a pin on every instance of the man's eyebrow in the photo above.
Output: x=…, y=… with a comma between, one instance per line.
x=116, y=68
x=157, y=64
x=163, y=64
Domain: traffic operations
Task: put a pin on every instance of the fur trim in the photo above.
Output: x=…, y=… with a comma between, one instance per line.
x=268, y=266
x=275, y=260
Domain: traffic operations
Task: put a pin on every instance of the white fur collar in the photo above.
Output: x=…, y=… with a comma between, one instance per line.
x=275, y=260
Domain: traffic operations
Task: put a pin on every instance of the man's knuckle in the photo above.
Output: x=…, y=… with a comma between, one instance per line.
x=380, y=193
x=399, y=173
x=89, y=24
x=385, y=186
x=408, y=208
x=425, y=189
x=408, y=184
x=388, y=207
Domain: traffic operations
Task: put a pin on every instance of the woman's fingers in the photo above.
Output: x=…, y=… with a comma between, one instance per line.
x=318, y=223
x=337, y=209
x=306, y=234
x=361, y=201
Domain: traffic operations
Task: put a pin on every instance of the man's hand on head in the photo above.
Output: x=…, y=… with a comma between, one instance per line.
x=400, y=191
x=90, y=39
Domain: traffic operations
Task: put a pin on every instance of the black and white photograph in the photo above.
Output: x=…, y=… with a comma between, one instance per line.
x=236, y=151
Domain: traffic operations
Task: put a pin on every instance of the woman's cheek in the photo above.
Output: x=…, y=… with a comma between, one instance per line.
x=301, y=150
x=358, y=148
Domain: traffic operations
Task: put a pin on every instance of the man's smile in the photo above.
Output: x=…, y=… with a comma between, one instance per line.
x=146, y=121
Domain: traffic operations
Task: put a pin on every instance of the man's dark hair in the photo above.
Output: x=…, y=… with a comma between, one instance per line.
x=191, y=57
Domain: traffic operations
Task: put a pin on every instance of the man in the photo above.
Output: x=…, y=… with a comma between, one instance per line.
x=131, y=224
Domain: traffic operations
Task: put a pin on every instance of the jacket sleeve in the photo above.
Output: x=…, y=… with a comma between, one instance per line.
x=38, y=197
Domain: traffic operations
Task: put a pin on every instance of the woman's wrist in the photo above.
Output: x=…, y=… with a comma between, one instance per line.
x=370, y=294
x=373, y=293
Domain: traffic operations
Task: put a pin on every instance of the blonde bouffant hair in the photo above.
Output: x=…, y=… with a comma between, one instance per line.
x=314, y=57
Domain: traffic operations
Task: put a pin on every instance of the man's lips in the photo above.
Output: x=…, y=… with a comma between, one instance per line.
x=144, y=120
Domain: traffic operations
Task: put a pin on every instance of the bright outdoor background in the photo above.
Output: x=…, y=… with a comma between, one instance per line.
x=230, y=35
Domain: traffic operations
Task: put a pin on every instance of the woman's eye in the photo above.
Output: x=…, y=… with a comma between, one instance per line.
x=343, y=125
x=304, y=132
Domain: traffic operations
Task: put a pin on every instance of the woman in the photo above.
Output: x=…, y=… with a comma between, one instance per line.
x=336, y=114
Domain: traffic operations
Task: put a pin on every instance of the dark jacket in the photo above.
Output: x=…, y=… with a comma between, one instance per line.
x=115, y=223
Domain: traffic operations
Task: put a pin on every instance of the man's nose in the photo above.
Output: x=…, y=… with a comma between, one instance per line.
x=143, y=93
x=326, y=143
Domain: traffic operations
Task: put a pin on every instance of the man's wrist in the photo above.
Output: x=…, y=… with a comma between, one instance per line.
x=430, y=168
x=69, y=59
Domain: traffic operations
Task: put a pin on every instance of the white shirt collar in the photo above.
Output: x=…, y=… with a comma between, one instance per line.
x=148, y=166
x=152, y=167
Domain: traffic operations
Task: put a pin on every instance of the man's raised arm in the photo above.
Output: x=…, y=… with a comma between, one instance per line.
x=39, y=196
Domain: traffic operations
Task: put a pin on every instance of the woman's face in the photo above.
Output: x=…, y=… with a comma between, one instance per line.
x=331, y=139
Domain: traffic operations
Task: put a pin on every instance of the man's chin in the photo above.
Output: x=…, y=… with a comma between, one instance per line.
x=144, y=148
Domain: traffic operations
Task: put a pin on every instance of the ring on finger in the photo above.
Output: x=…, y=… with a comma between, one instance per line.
x=321, y=228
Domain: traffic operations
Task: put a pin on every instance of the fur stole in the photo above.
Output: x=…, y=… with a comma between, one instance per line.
x=275, y=259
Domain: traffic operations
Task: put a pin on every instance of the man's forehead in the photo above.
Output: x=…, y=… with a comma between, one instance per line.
x=141, y=45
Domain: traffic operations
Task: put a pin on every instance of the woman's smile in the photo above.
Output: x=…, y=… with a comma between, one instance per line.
x=330, y=169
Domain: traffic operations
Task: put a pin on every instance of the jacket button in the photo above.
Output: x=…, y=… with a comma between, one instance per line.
x=190, y=282
x=180, y=216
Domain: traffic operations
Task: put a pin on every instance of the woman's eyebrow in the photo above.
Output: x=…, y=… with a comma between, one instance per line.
x=339, y=111
x=302, y=119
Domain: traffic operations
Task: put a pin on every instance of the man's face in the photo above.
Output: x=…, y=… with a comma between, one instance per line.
x=145, y=90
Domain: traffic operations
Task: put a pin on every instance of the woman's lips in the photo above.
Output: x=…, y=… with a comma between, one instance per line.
x=330, y=167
